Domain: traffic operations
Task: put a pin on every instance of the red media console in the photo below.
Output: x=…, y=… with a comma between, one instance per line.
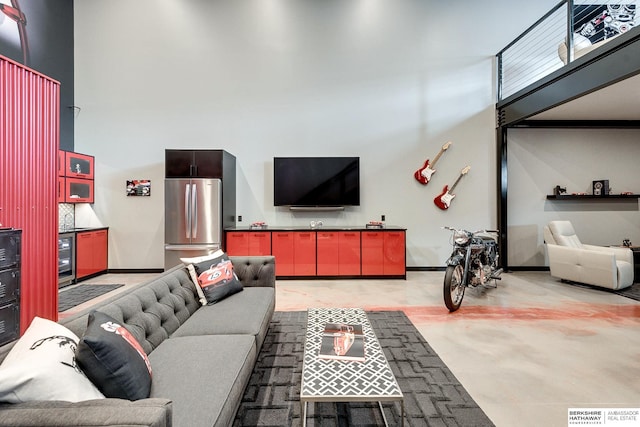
x=328, y=252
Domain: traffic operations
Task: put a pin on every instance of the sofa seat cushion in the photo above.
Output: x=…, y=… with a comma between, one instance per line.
x=204, y=376
x=100, y=412
x=247, y=312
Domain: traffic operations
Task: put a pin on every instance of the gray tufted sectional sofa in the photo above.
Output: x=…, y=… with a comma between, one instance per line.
x=202, y=356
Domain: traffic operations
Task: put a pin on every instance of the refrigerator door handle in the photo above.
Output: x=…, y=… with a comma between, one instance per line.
x=194, y=211
x=187, y=214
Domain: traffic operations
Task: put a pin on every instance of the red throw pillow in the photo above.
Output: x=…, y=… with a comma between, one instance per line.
x=216, y=277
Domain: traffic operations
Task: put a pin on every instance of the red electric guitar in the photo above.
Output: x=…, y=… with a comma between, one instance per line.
x=423, y=175
x=443, y=200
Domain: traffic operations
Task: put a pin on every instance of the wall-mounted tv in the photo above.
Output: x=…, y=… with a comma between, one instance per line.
x=316, y=181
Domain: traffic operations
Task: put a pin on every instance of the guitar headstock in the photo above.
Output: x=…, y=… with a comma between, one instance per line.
x=447, y=145
x=465, y=170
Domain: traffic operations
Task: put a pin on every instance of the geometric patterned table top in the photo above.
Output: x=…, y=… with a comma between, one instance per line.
x=342, y=380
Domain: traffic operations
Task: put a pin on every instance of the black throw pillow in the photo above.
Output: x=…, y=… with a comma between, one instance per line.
x=216, y=278
x=113, y=360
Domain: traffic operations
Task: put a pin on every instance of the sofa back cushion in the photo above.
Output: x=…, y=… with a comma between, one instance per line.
x=151, y=311
x=173, y=292
x=255, y=270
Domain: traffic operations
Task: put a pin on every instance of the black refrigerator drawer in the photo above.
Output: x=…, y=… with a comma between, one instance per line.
x=9, y=323
x=9, y=248
x=9, y=285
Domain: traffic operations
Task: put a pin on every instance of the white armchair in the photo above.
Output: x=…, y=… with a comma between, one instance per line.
x=569, y=259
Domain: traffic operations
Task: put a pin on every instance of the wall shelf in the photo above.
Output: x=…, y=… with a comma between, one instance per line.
x=592, y=197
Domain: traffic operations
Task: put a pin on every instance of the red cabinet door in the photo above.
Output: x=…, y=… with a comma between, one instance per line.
x=75, y=180
x=394, y=253
x=237, y=243
x=248, y=243
x=84, y=254
x=101, y=250
x=328, y=257
x=383, y=253
x=349, y=253
x=304, y=246
x=61, y=162
x=338, y=253
x=78, y=165
x=372, y=253
x=91, y=252
x=282, y=250
x=78, y=190
x=62, y=196
x=259, y=243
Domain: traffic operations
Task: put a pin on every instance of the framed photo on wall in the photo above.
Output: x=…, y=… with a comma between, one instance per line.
x=139, y=187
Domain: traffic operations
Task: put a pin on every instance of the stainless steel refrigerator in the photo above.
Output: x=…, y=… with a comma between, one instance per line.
x=193, y=218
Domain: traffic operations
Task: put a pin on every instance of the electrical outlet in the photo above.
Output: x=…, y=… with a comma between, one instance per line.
x=382, y=217
x=239, y=218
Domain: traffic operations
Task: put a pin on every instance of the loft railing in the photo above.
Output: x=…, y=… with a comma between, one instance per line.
x=569, y=30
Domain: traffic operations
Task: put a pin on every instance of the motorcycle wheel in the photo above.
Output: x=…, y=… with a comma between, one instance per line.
x=453, y=287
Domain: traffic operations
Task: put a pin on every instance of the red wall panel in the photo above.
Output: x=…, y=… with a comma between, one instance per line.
x=29, y=141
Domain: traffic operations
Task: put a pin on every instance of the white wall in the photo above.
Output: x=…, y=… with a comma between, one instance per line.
x=540, y=159
x=389, y=81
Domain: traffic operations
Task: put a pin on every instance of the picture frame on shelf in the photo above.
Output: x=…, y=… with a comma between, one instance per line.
x=600, y=187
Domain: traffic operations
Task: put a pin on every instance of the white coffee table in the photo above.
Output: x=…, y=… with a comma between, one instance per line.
x=345, y=381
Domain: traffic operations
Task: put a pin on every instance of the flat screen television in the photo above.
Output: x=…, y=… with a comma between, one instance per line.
x=316, y=181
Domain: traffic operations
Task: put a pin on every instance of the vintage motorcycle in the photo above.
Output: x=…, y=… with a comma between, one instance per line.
x=473, y=262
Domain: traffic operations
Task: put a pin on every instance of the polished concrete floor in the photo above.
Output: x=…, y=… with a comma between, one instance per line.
x=526, y=351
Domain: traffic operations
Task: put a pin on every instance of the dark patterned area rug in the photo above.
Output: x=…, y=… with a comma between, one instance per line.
x=632, y=292
x=70, y=298
x=432, y=394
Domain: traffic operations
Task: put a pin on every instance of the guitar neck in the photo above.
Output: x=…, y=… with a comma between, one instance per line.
x=463, y=172
x=444, y=148
x=435, y=159
x=456, y=183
